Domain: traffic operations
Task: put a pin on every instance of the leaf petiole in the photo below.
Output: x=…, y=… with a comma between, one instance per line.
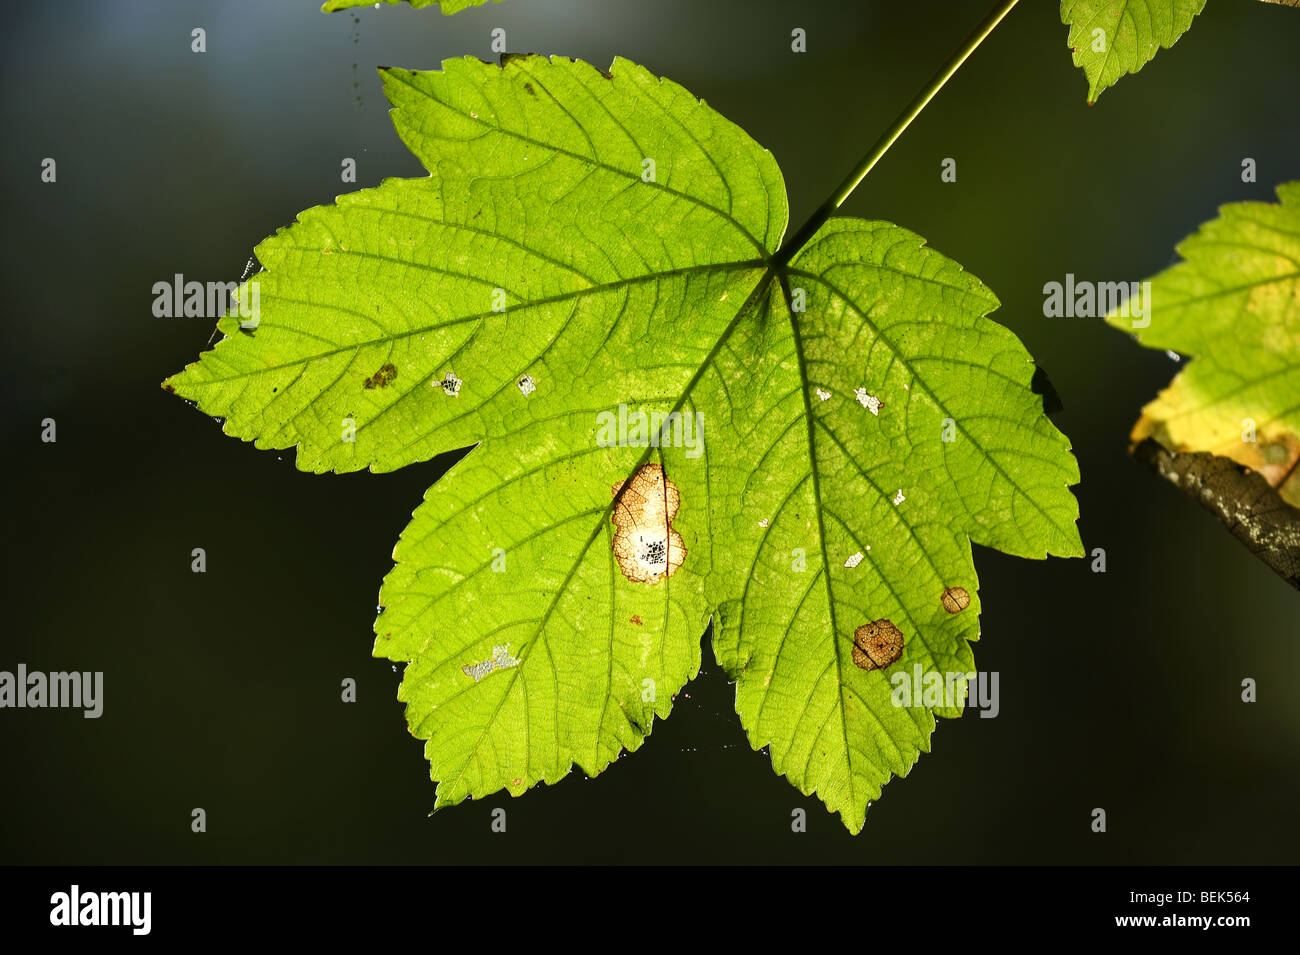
x=799, y=239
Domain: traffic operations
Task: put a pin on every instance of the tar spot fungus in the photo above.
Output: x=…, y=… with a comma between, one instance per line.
x=382, y=377
x=450, y=385
x=955, y=599
x=876, y=645
x=645, y=544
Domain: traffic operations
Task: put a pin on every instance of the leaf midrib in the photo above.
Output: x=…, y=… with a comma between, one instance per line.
x=821, y=538
x=735, y=266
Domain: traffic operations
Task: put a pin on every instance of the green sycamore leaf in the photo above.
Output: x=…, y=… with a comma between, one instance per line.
x=1131, y=31
x=1234, y=304
x=590, y=248
x=447, y=6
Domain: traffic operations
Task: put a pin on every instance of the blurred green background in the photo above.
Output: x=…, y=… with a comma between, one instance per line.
x=1118, y=690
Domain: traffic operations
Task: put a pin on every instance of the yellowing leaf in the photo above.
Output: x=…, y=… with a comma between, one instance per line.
x=1233, y=304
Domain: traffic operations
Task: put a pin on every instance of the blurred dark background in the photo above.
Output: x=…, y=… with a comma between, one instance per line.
x=1118, y=690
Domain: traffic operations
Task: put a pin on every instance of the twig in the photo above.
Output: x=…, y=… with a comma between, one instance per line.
x=1250, y=507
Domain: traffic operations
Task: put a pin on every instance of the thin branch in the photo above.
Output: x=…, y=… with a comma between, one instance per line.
x=1250, y=507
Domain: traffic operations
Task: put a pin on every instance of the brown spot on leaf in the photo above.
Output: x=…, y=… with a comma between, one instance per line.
x=876, y=645
x=382, y=377
x=646, y=546
x=955, y=599
x=1279, y=463
x=635, y=619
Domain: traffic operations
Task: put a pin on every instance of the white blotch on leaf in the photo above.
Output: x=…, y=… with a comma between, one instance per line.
x=854, y=560
x=898, y=498
x=823, y=394
x=500, y=660
x=527, y=385
x=868, y=401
